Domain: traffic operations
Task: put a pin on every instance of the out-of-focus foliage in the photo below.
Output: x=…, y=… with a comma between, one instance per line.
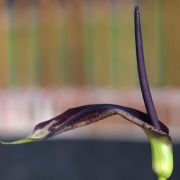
x=89, y=42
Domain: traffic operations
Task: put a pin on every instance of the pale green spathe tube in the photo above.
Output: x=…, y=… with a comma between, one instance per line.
x=162, y=154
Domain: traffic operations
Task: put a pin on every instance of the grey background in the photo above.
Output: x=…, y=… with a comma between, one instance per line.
x=80, y=160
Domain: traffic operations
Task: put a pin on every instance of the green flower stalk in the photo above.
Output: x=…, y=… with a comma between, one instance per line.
x=156, y=131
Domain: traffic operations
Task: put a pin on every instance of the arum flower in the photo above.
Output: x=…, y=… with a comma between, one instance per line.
x=156, y=131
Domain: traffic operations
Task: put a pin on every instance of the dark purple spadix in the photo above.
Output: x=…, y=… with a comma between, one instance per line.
x=142, y=71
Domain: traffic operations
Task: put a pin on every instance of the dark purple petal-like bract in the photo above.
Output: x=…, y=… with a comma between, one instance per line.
x=84, y=115
x=88, y=114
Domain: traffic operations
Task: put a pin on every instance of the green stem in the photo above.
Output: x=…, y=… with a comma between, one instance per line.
x=162, y=178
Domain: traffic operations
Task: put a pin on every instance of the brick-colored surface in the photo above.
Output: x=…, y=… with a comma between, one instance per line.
x=20, y=110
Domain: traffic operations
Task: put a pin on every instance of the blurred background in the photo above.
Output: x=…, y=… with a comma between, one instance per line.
x=57, y=54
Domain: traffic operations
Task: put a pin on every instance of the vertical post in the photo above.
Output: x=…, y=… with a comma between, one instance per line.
x=22, y=28
x=75, y=41
x=12, y=64
x=102, y=52
x=4, y=47
x=49, y=32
